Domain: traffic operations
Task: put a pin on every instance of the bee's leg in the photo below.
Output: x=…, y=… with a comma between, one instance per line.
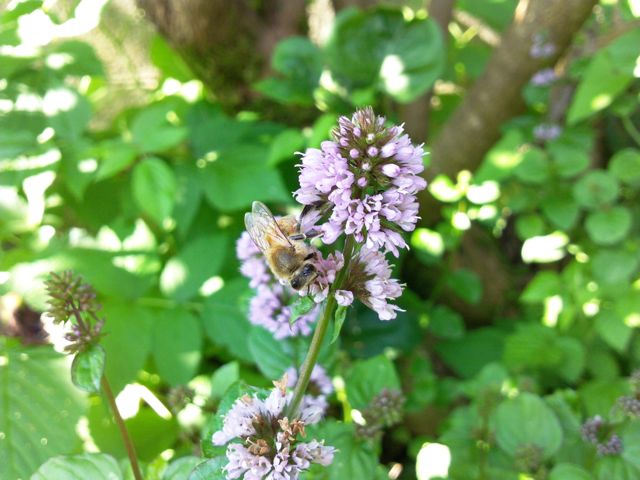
x=313, y=233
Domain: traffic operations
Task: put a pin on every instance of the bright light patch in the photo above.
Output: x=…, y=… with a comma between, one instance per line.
x=34, y=188
x=128, y=401
x=4, y=277
x=46, y=135
x=88, y=165
x=591, y=308
x=486, y=192
x=392, y=74
x=545, y=248
x=211, y=286
x=461, y=221
x=28, y=102
x=632, y=320
x=433, y=461
x=58, y=100
x=45, y=234
x=36, y=29
x=428, y=240
x=552, y=309
x=601, y=101
x=357, y=417
x=56, y=61
x=4, y=360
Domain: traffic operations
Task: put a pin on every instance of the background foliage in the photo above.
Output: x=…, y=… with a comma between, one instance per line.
x=523, y=299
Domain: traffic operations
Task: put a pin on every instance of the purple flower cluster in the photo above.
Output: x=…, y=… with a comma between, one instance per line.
x=269, y=307
x=319, y=388
x=541, y=47
x=547, y=131
x=368, y=178
x=598, y=432
x=264, y=442
x=544, y=77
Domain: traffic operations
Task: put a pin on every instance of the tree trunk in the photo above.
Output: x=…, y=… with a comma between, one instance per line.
x=228, y=45
x=496, y=95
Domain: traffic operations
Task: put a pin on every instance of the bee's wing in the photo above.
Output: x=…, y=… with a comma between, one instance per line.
x=263, y=228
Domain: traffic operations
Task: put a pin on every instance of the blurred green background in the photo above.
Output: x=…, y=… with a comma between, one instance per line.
x=134, y=136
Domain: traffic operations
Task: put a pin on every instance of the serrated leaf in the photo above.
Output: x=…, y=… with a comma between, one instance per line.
x=152, y=132
x=338, y=321
x=210, y=470
x=533, y=167
x=367, y=378
x=625, y=166
x=87, y=369
x=154, y=188
x=301, y=306
x=268, y=353
x=612, y=329
x=527, y=420
x=608, y=227
x=39, y=408
x=84, y=466
x=177, y=345
x=595, y=189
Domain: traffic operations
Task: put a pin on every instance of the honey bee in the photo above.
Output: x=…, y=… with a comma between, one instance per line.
x=283, y=246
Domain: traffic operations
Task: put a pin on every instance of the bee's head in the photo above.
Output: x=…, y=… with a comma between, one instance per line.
x=304, y=276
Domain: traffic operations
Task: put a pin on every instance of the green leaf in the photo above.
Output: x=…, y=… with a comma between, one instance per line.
x=223, y=378
x=209, y=470
x=300, y=63
x=608, y=227
x=534, y=167
x=39, y=408
x=569, y=159
x=268, y=353
x=611, y=267
x=115, y=156
x=354, y=459
x=239, y=176
x=561, y=209
x=180, y=468
x=177, y=345
x=625, y=166
x=609, y=73
x=168, y=61
x=96, y=466
x=466, y=285
x=546, y=283
x=225, y=318
x=568, y=471
x=338, y=321
x=199, y=260
x=527, y=420
x=613, y=330
x=127, y=341
x=596, y=188
x=530, y=225
x=366, y=379
x=154, y=188
x=87, y=369
x=573, y=360
x=150, y=433
x=152, y=132
x=284, y=145
x=532, y=345
x=68, y=112
x=599, y=396
x=445, y=322
x=379, y=48
x=500, y=162
x=626, y=466
x=467, y=355
x=301, y=306
x=79, y=59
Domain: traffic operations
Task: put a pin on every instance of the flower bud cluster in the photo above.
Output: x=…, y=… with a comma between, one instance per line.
x=71, y=298
x=262, y=442
x=385, y=410
x=598, y=432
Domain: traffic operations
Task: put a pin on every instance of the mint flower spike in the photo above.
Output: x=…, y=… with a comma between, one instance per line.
x=263, y=443
x=368, y=178
x=70, y=297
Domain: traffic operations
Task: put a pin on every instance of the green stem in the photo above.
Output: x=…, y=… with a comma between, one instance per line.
x=318, y=335
x=124, y=433
x=106, y=389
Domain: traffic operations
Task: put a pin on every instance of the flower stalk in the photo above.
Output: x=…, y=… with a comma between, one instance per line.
x=320, y=332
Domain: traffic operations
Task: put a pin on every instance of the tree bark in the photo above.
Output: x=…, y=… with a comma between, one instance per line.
x=228, y=45
x=496, y=95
